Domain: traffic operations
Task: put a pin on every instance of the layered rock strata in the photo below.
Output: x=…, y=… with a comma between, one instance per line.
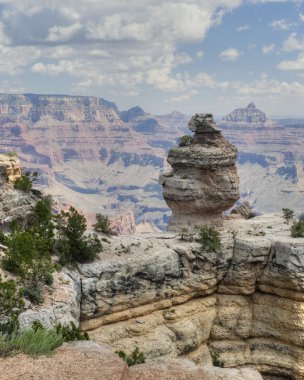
x=204, y=181
x=241, y=306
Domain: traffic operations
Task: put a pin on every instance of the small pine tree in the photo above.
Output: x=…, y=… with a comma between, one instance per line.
x=102, y=224
x=209, y=238
x=11, y=305
x=288, y=214
x=72, y=243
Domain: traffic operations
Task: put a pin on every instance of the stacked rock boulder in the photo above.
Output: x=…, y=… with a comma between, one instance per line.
x=203, y=182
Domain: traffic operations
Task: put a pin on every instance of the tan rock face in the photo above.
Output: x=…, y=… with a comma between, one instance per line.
x=10, y=168
x=241, y=306
x=203, y=182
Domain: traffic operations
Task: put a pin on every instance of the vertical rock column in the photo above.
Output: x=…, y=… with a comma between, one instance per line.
x=203, y=182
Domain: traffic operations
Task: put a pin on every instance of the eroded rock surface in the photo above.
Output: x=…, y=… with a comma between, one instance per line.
x=241, y=306
x=204, y=181
x=61, y=303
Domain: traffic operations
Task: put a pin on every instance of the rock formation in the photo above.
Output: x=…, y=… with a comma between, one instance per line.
x=14, y=204
x=242, y=306
x=203, y=182
x=9, y=168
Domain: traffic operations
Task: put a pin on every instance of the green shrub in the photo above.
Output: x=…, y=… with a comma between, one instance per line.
x=185, y=140
x=209, y=238
x=11, y=153
x=71, y=333
x=297, y=229
x=48, y=279
x=185, y=234
x=72, y=243
x=3, y=239
x=288, y=214
x=38, y=341
x=23, y=183
x=102, y=224
x=136, y=357
x=33, y=293
x=11, y=305
x=27, y=257
x=14, y=225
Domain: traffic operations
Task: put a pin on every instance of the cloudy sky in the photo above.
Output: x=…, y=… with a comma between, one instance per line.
x=164, y=55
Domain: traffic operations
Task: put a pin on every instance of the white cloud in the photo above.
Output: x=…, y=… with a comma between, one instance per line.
x=301, y=15
x=293, y=43
x=230, y=54
x=268, y=49
x=281, y=24
x=200, y=54
x=115, y=43
x=242, y=28
x=266, y=86
x=63, y=33
x=297, y=64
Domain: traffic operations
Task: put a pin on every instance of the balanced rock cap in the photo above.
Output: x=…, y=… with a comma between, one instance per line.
x=203, y=123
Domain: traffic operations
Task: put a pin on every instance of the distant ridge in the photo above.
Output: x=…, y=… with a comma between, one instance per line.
x=250, y=114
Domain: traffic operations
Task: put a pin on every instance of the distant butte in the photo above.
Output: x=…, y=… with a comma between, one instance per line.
x=249, y=115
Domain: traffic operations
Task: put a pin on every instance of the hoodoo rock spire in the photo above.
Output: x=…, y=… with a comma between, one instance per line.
x=203, y=182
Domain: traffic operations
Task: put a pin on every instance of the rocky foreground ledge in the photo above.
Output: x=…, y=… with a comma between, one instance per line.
x=93, y=361
x=240, y=307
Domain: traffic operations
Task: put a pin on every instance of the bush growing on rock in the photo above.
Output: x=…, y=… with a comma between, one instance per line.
x=29, y=248
x=185, y=140
x=27, y=258
x=136, y=357
x=71, y=333
x=185, y=234
x=102, y=224
x=297, y=228
x=11, y=305
x=288, y=214
x=72, y=243
x=209, y=238
x=25, y=182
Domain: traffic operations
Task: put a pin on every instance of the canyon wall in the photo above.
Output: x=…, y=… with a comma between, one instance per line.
x=98, y=159
x=240, y=306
